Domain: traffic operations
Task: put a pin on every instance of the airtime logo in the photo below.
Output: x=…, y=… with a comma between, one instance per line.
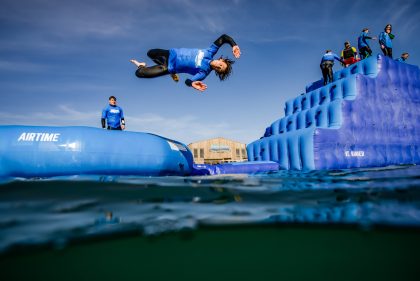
x=38, y=137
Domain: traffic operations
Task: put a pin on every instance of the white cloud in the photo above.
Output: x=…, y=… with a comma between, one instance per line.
x=185, y=128
x=21, y=66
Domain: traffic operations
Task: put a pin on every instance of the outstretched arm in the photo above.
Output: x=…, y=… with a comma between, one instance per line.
x=227, y=39
x=196, y=81
x=198, y=85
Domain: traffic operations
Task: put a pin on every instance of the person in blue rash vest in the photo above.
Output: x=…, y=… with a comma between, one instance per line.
x=113, y=115
x=197, y=62
x=364, y=49
x=385, y=40
x=403, y=58
x=327, y=63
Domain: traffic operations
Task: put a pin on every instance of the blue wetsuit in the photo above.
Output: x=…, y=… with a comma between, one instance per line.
x=192, y=61
x=113, y=115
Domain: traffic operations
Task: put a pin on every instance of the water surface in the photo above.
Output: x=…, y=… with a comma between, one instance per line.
x=57, y=210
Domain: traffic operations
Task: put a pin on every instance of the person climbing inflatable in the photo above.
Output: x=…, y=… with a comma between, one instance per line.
x=327, y=63
x=197, y=62
x=349, y=54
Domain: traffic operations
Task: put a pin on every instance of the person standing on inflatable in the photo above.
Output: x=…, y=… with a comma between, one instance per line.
x=113, y=115
x=385, y=41
x=197, y=62
x=364, y=49
x=327, y=63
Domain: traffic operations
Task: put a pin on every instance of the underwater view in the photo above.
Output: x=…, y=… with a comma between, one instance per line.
x=42, y=218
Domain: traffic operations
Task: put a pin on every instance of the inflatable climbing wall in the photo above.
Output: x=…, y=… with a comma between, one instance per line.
x=369, y=116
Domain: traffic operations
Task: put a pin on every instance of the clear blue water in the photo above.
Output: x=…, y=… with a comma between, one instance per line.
x=56, y=210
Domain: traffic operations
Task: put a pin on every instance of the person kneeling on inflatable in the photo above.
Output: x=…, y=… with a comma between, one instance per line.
x=349, y=55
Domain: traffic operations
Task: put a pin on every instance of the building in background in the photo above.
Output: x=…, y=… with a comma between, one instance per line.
x=218, y=150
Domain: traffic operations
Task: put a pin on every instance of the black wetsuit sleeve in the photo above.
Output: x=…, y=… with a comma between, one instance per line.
x=188, y=82
x=122, y=121
x=103, y=122
x=225, y=39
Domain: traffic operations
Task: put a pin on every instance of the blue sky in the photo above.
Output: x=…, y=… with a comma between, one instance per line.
x=61, y=60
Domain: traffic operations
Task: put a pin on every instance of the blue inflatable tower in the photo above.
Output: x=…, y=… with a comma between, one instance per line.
x=369, y=116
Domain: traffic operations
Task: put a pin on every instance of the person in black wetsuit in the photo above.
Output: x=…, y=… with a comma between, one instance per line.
x=385, y=40
x=327, y=63
x=364, y=49
x=197, y=62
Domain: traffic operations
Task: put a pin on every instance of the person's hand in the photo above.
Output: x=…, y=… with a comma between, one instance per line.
x=382, y=47
x=122, y=127
x=236, y=51
x=198, y=85
x=375, y=38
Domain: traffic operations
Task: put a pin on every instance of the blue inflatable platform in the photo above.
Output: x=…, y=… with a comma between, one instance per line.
x=369, y=116
x=30, y=151
x=254, y=167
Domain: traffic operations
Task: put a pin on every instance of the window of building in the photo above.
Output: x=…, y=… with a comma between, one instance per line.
x=243, y=153
x=238, y=153
x=201, y=152
x=195, y=153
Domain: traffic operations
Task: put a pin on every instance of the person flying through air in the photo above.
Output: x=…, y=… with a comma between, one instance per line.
x=197, y=62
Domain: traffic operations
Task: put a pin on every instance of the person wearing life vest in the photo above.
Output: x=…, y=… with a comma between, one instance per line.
x=327, y=63
x=349, y=54
x=362, y=44
x=385, y=40
x=197, y=62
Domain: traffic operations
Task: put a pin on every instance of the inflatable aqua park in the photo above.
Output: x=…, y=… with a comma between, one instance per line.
x=30, y=151
x=368, y=117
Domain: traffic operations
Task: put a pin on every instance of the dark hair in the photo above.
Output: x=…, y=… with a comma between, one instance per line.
x=365, y=29
x=112, y=97
x=388, y=25
x=225, y=74
x=327, y=51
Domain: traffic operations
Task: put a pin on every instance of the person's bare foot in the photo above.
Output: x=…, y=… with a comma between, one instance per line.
x=137, y=63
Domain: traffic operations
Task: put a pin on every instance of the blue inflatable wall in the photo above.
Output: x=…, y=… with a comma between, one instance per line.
x=29, y=151
x=369, y=116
